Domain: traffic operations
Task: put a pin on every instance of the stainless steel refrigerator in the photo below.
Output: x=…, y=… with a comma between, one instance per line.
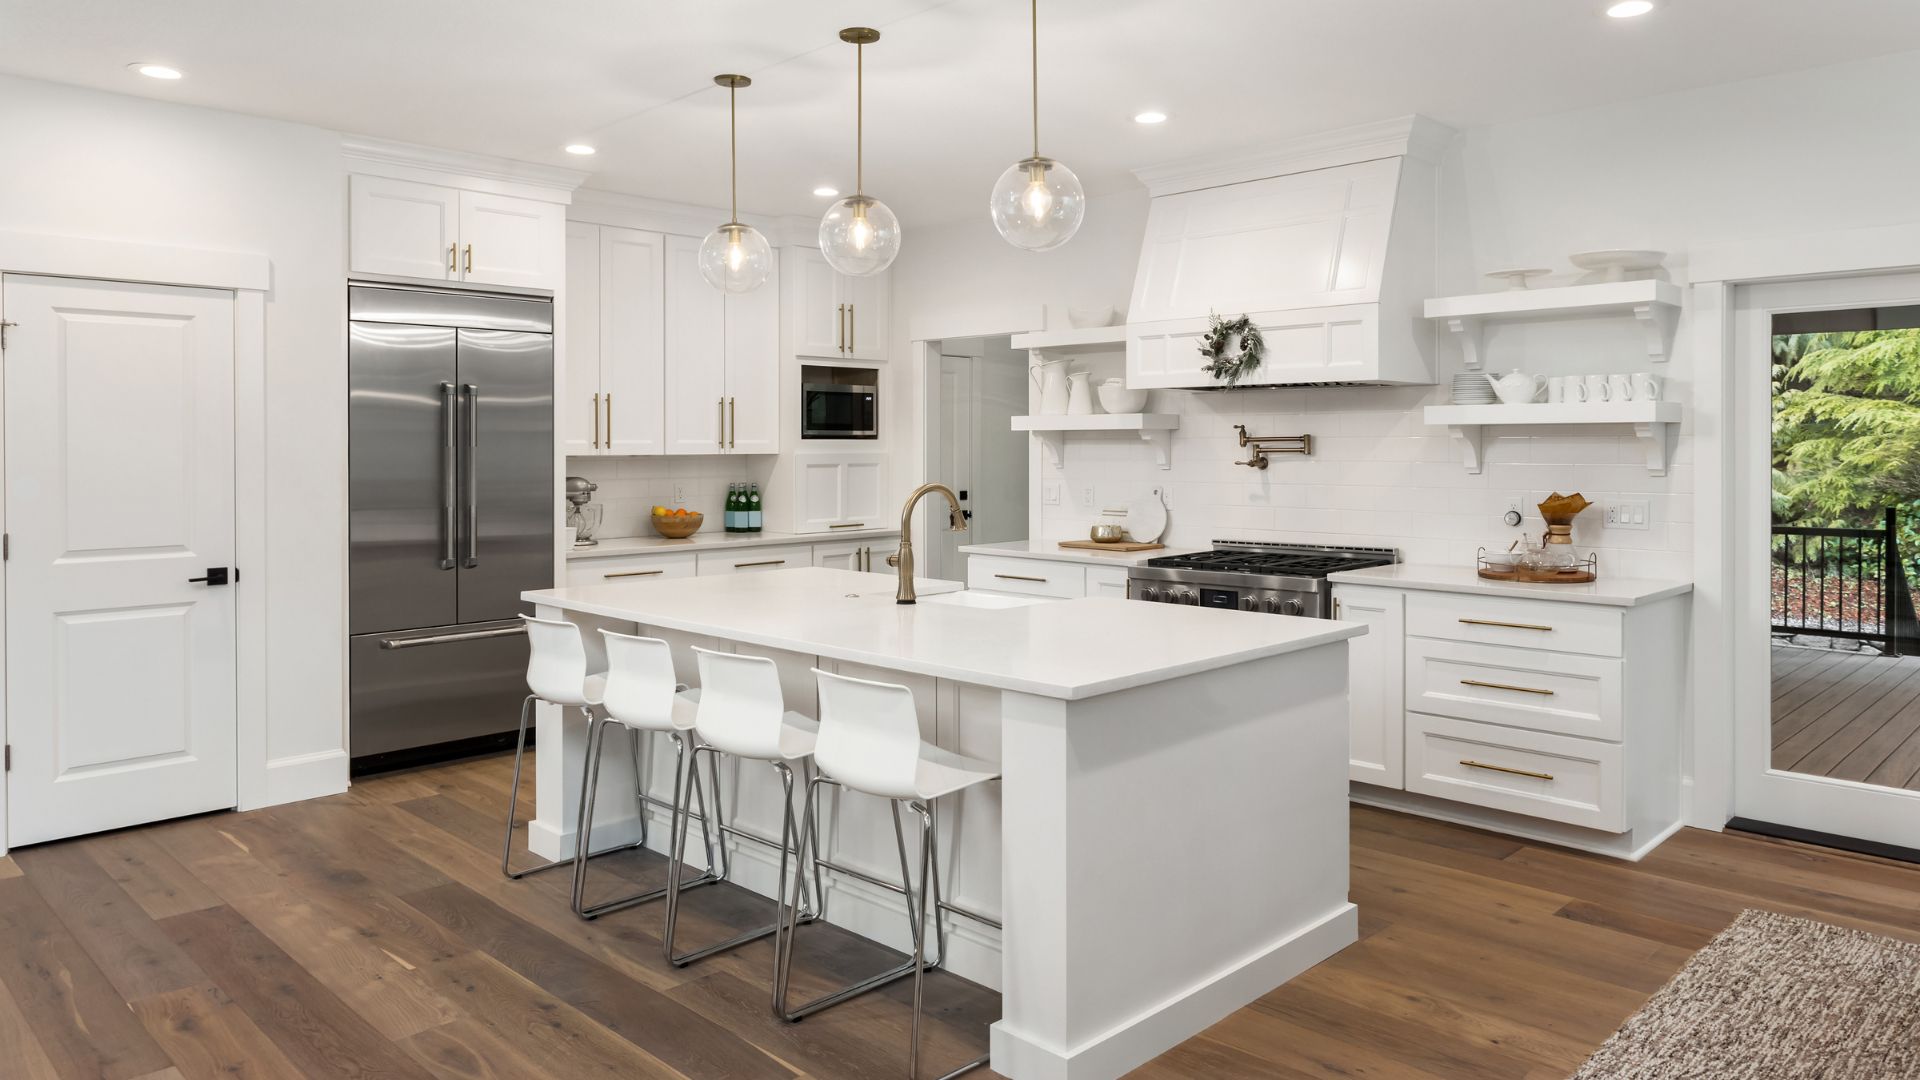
x=451, y=514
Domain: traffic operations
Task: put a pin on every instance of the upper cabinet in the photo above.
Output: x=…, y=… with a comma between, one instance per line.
x=615, y=299
x=834, y=315
x=415, y=229
x=722, y=382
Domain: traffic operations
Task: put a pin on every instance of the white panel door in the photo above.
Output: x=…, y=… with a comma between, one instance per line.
x=696, y=356
x=119, y=481
x=753, y=371
x=863, y=489
x=1376, y=707
x=632, y=340
x=818, y=310
x=866, y=316
x=580, y=390
x=402, y=227
x=510, y=241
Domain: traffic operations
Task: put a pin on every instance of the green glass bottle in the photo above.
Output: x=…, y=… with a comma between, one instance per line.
x=753, y=509
x=731, y=516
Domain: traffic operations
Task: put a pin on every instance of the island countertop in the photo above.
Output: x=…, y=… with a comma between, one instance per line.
x=1067, y=649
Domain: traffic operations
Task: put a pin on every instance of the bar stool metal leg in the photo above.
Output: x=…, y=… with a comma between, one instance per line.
x=513, y=801
x=596, y=750
x=920, y=966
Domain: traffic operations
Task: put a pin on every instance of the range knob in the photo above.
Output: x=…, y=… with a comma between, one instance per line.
x=1293, y=607
x=1246, y=603
x=1188, y=596
x=1270, y=605
x=1149, y=593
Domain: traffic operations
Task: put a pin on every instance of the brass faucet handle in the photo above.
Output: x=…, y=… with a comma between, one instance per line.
x=893, y=559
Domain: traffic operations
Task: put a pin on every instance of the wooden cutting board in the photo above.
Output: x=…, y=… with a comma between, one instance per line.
x=1124, y=545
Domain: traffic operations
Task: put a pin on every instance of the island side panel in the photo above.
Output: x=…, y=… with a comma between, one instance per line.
x=1171, y=853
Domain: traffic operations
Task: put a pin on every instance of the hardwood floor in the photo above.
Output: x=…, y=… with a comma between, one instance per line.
x=371, y=935
x=1851, y=715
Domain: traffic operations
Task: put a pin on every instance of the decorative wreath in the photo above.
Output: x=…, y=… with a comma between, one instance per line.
x=1213, y=346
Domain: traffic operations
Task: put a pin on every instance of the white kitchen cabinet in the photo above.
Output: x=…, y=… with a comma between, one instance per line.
x=1108, y=581
x=616, y=306
x=1027, y=577
x=421, y=230
x=834, y=315
x=868, y=555
x=843, y=491
x=1376, y=731
x=722, y=361
x=749, y=560
x=403, y=227
x=615, y=568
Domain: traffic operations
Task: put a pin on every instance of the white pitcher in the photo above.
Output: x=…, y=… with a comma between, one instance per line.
x=1050, y=376
x=1079, y=393
x=1516, y=387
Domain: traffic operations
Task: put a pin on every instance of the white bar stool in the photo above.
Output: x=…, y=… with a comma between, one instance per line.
x=742, y=712
x=642, y=696
x=870, y=742
x=556, y=674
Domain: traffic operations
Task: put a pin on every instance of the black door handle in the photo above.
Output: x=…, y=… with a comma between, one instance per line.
x=216, y=575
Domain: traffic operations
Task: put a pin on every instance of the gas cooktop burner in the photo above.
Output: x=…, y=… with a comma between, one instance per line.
x=1289, y=559
x=1285, y=579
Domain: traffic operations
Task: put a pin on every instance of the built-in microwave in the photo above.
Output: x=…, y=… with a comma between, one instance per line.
x=833, y=410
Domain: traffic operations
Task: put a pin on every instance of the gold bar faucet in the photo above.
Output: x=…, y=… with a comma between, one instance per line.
x=903, y=559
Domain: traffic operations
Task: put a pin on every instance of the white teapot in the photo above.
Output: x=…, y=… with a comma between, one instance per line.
x=1517, y=387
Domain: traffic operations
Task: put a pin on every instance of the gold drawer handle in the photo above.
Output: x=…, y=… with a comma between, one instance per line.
x=1506, y=686
x=634, y=573
x=850, y=525
x=1507, y=625
x=763, y=562
x=1020, y=577
x=1502, y=768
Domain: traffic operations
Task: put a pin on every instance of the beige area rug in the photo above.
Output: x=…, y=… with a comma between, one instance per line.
x=1777, y=998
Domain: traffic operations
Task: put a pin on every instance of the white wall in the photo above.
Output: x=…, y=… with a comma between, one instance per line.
x=82, y=163
x=1828, y=149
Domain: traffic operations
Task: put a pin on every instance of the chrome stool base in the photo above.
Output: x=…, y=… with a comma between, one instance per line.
x=513, y=809
x=596, y=745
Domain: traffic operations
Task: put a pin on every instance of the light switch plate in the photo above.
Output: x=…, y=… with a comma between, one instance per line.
x=1627, y=515
x=1050, y=493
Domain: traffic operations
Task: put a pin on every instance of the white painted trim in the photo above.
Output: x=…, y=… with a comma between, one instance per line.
x=305, y=776
x=369, y=156
x=254, y=786
x=1143, y=1037
x=596, y=207
x=1406, y=136
x=1630, y=846
x=120, y=260
x=987, y=322
x=1825, y=254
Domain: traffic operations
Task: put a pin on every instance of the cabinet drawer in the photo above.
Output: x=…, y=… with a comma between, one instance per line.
x=1530, y=688
x=1028, y=577
x=630, y=568
x=1576, y=781
x=1498, y=620
x=1110, y=581
x=749, y=560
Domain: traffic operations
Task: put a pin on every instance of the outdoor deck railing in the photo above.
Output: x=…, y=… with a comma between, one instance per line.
x=1841, y=583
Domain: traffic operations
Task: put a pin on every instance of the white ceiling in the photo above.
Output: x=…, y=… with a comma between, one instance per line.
x=947, y=86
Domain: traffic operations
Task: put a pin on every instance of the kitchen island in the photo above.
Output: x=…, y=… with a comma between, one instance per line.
x=1169, y=838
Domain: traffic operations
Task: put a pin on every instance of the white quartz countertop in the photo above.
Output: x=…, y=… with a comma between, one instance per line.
x=1069, y=649
x=1051, y=551
x=713, y=538
x=1610, y=591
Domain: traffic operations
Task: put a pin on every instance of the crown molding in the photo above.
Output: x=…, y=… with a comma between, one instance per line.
x=1406, y=136
x=409, y=161
x=597, y=206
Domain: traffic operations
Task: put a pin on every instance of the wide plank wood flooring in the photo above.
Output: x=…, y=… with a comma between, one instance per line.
x=1852, y=715
x=370, y=935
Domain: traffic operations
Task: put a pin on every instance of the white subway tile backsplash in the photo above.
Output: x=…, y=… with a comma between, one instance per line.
x=630, y=487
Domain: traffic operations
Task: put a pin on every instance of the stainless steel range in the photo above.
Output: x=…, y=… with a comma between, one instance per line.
x=1249, y=575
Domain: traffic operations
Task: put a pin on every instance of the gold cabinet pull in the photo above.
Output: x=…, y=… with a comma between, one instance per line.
x=850, y=525
x=633, y=573
x=469, y=258
x=1507, y=625
x=1020, y=577
x=840, y=328
x=596, y=421
x=853, y=327
x=609, y=419
x=1505, y=686
x=1471, y=764
x=723, y=423
x=733, y=421
x=453, y=257
x=762, y=562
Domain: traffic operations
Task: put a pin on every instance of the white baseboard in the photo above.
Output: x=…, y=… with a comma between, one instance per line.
x=1631, y=846
x=305, y=776
x=1152, y=1033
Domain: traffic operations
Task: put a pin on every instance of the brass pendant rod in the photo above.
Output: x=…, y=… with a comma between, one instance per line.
x=1034, y=12
x=859, y=119
x=733, y=151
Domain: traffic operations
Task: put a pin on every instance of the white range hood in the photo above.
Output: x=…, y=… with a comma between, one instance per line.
x=1327, y=243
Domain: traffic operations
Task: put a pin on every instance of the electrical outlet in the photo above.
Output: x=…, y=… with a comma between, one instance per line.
x=679, y=494
x=1627, y=515
x=1515, y=512
x=1087, y=498
x=1050, y=494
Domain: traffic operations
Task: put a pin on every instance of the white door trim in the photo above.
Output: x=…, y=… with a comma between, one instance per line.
x=1717, y=271
x=248, y=275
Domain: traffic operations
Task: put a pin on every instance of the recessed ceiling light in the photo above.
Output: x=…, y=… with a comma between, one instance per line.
x=1150, y=117
x=826, y=192
x=155, y=71
x=1627, y=9
x=580, y=148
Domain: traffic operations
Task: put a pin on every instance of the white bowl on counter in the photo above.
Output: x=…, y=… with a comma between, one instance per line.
x=1116, y=398
x=1085, y=318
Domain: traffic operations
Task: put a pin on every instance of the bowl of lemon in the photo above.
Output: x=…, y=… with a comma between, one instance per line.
x=677, y=524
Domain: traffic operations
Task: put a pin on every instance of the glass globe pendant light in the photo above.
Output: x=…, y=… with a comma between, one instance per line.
x=1038, y=203
x=859, y=236
x=735, y=258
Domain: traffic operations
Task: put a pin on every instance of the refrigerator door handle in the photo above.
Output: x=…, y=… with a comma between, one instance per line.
x=450, y=639
x=449, y=465
x=473, y=475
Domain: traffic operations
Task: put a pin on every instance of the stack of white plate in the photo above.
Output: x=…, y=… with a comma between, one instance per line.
x=1472, y=389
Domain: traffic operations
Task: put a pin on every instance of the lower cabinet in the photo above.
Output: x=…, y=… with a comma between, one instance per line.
x=1376, y=736
x=1541, y=775
x=612, y=568
x=748, y=560
x=866, y=556
x=1108, y=581
x=1026, y=577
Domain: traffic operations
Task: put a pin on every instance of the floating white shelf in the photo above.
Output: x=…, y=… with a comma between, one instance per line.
x=1155, y=428
x=1072, y=337
x=1656, y=304
x=1655, y=422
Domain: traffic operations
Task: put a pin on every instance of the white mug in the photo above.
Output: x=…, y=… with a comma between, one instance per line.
x=1619, y=388
x=1593, y=389
x=1646, y=387
x=1557, y=389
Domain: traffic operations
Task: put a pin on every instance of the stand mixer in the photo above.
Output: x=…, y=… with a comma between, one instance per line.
x=583, y=516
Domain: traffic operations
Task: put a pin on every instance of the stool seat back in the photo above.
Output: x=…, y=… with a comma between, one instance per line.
x=557, y=662
x=869, y=735
x=640, y=681
x=742, y=708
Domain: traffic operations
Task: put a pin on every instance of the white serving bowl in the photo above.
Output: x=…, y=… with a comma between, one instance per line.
x=1083, y=318
x=1116, y=398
